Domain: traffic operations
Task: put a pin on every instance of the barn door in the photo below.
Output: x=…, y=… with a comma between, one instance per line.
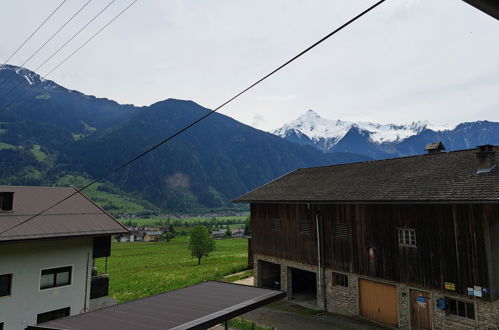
x=421, y=307
x=378, y=301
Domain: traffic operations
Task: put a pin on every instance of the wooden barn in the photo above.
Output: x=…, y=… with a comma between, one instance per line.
x=410, y=242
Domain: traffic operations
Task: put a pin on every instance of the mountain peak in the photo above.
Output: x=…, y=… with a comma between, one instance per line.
x=330, y=132
x=29, y=77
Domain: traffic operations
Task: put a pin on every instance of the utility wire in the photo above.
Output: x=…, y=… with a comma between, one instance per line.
x=74, y=36
x=90, y=39
x=33, y=33
x=78, y=191
x=46, y=42
x=73, y=53
x=58, y=50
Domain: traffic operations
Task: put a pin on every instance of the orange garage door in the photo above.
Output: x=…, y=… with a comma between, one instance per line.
x=378, y=301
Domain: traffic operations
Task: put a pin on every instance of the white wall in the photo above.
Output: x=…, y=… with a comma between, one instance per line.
x=25, y=261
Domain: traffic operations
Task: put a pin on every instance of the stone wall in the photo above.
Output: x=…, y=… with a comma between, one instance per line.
x=340, y=299
x=345, y=300
x=486, y=314
x=404, y=306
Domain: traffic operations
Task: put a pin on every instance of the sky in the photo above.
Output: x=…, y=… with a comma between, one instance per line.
x=408, y=60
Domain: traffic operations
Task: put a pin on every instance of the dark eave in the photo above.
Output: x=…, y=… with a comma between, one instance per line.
x=365, y=202
x=490, y=7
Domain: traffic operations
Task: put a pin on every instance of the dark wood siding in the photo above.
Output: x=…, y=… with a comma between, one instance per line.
x=450, y=240
x=287, y=243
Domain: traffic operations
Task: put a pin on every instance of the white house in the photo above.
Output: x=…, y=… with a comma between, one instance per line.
x=46, y=262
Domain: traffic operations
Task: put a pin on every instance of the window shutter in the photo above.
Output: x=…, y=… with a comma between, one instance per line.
x=341, y=230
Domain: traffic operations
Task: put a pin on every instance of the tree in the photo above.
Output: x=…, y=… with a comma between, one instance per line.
x=200, y=243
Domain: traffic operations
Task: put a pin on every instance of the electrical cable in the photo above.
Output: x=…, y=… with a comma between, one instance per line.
x=73, y=53
x=78, y=191
x=33, y=33
x=90, y=39
x=46, y=42
x=74, y=36
x=60, y=48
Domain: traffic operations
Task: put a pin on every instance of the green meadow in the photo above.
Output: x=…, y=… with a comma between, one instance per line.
x=143, y=269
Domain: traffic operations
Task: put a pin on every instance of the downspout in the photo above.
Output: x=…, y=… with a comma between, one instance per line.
x=320, y=275
x=86, y=284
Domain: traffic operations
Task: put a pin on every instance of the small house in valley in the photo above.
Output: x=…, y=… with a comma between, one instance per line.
x=152, y=236
x=411, y=242
x=47, y=260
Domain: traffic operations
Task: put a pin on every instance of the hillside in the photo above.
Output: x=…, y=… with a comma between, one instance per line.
x=51, y=133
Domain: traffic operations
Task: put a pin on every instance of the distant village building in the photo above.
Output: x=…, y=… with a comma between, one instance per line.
x=46, y=263
x=152, y=236
x=219, y=234
x=411, y=242
x=237, y=233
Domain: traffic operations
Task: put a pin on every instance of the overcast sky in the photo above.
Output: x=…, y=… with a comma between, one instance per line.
x=408, y=60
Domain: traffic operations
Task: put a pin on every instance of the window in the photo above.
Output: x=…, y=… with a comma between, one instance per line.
x=1, y=326
x=407, y=237
x=55, y=277
x=341, y=230
x=276, y=224
x=340, y=279
x=304, y=228
x=5, y=284
x=52, y=315
x=6, y=201
x=461, y=308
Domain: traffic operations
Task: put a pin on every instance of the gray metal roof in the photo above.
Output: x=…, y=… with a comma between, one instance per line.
x=77, y=216
x=195, y=307
x=438, y=177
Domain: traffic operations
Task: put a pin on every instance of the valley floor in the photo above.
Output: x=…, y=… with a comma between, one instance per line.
x=142, y=269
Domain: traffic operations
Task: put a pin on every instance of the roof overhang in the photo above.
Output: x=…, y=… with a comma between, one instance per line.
x=490, y=7
x=364, y=202
x=196, y=307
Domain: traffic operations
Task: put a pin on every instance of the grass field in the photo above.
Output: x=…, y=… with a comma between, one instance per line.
x=142, y=269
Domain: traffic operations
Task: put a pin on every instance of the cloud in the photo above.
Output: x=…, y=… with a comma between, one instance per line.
x=257, y=120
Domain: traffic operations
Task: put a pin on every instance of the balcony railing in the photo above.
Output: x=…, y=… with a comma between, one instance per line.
x=99, y=286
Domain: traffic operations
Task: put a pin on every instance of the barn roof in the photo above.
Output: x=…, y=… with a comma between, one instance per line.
x=437, y=177
x=77, y=216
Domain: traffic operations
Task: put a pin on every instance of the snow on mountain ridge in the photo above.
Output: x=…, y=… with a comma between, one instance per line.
x=318, y=129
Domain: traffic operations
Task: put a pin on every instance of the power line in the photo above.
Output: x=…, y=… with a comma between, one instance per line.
x=51, y=37
x=61, y=47
x=92, y=37
x=74, y=36
x=33, y=33
x=73, y=53
x=202, y=117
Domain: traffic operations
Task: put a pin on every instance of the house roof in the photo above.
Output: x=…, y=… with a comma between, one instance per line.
x=438, y=177
x=154, y=233
x=76, y=216
x=195, y=307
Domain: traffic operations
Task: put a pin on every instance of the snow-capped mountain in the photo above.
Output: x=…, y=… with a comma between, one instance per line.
x=30, y=77
x=381, y=140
